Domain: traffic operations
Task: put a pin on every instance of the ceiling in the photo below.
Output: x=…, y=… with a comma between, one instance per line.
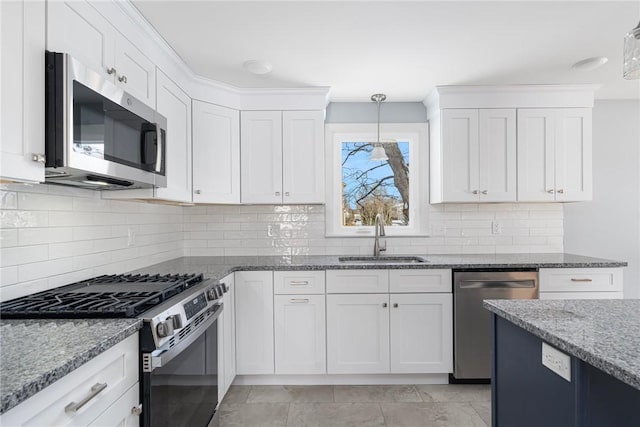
x=400, y=48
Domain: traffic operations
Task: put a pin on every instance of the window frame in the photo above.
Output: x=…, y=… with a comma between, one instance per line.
x=418, y=136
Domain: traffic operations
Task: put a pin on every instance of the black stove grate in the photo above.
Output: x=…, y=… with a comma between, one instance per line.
x=113, y=296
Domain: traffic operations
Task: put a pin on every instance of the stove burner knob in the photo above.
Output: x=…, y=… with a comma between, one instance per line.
x=220, y=291
x=175, y=320
x=164, y=329
x=225, y=287
x=212, y=294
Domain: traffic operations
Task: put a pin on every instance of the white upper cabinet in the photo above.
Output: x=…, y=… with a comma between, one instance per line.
x=77, y=28
x=282, y=156
x=261, y=156
x=216, y=154
x=175, y=105
x=554, y=154
x=477, y=156
x=22, y=41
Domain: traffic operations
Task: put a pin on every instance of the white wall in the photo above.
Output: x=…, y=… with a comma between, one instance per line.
x=52, y=236
x=609, y=226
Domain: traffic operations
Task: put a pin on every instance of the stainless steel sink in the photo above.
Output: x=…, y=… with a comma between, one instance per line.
x=382, y=259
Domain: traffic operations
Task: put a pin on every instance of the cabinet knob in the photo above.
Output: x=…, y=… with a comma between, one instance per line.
x=385, y=305
x=198, y=191
x=38, y=157
x=137, y=410
x=286, y=193
x=474, y=192
x=561, y=191
x=122, y=79
x=551, y=191
x=111, y=70
x=395, y=305
x=277, y=193
x=484, y=191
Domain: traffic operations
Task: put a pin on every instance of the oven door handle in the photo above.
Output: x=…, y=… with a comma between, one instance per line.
x=151, y=361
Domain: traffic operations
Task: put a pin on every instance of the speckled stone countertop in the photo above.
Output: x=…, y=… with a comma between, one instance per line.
x=36, y=353
x=602, y=333
x=218, y=267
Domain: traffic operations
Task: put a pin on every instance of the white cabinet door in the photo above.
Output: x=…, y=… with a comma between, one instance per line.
x=254, y=322
x=175, y=105
x=497, y=155
x=358, y=334
x=76, y=28
x=421, y=333
x=216, y=154
x=122, y=412
x=261, y=156
x=22, y=41
x=300, y=334
x=536, y=170
x=229, y=335
x=135, y=73
x=303, y=156
x=460, y=155
x=573, y=154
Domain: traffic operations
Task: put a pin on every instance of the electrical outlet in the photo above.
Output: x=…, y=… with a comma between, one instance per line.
x=556, y=361
x=131, y=237
x=496, y=227
x=270, y=232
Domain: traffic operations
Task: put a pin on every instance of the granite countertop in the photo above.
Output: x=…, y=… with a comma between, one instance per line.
x=36, y=353
x=218, y=267
x=602, y=333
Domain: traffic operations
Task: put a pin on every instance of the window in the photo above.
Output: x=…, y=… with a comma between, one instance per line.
x=358, y=187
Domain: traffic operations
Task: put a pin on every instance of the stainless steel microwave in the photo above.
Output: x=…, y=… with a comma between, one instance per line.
x=98, y=136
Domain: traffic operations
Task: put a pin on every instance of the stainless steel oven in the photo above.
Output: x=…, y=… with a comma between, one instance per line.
x=97, y=135
x=179, y=365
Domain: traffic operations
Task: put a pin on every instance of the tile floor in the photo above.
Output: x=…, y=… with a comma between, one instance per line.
x=337, y=406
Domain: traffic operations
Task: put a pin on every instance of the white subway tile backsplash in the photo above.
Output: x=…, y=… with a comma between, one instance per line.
x=46, y=202
x=23, y=254
x=8, y=200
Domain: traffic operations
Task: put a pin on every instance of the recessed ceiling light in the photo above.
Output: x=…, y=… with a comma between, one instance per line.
x=590, y=63
x=257, y=67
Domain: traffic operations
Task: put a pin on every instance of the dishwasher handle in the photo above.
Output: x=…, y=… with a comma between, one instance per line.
x=497, y=284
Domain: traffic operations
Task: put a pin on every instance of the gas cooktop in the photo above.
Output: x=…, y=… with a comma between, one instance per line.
x=114, y=296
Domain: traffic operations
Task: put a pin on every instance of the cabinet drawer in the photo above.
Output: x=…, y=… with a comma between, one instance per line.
x=298, y=282
x=580, y=295
x=580, y=279
x=357, y=281
x=121, y=413
x=117, y=368
x=416, y=281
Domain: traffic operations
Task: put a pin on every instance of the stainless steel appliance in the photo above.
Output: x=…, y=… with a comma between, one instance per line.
x=472, y=323
x=178, y=340
x=98, y=136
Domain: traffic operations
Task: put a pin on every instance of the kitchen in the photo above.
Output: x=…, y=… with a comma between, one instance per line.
x=225, y=207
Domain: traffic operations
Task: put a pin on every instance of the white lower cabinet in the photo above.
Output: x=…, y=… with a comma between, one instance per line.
x=104, y=384
x=421, y=333
x=254, y=322
x=123, y=412
x=300, y=334
x=358, y=334
x=581, y=283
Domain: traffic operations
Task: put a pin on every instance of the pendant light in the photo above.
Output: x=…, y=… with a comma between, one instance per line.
x=631, y=67
x=378, y=154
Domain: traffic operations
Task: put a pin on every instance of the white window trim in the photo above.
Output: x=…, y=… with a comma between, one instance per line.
x=418, y=134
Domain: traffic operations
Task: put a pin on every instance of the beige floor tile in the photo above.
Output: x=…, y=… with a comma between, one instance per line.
x=455, y=392
x=294, y=393
x=484, y=410
x=335, y=415
x=376, y=393
x=237, y=394
x=441, y=414
x=253, y=415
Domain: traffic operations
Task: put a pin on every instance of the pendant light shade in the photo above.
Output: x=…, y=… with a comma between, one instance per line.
x=631, y=67
x=378, y=154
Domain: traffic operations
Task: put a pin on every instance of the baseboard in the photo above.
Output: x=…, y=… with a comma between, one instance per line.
x=362, y=379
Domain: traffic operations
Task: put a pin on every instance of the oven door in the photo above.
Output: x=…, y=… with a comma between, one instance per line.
x=183, y=391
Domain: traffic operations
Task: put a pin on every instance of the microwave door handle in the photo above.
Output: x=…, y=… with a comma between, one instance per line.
x=159, y=148
x=146, y=130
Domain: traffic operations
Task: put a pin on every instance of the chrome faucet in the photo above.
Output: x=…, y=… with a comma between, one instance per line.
x=379, y=230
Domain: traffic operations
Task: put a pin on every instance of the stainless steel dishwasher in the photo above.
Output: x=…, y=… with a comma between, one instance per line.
x=472, y=323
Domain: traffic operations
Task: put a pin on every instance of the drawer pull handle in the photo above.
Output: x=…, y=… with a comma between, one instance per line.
x=299, y=300
x=581, y=280
x=299, y=282
x=74, y=407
